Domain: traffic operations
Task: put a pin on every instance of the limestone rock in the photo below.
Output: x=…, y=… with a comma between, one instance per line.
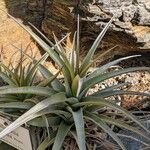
x=130, y=29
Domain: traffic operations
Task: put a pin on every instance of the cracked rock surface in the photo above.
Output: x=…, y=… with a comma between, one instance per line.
x=130, y=29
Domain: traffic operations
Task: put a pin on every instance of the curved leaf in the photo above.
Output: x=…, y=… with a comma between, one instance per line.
x=105, y=94
x=75, y=84
x=56, y=84
x=89, y=101
x=48, y=80
x=79, y=124
x=94, y=118
x=103, y=68
x=7, y=79
x=92, y=50
x=46, y=143
x=51, y=43
x=97, y=79
x=32, y=71
x=122, y=124
x=38, y=122
x=16, y=105
x=43, y=91
x=43, y=44
x=61, y=134
x=32, y=113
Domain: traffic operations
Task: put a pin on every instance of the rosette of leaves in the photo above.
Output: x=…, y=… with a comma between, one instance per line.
x=22, y=75
x=66, y=104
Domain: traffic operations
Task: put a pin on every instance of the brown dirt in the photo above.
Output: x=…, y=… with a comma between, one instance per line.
x=139, y=82
x=11, y=33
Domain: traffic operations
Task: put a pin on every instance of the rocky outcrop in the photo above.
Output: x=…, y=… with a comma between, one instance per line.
x=132, y=17
x=130, y=29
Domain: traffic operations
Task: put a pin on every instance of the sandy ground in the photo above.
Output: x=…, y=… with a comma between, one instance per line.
x=12, y=35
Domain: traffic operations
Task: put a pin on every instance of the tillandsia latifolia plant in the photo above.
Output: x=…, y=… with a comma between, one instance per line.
x=19, y=75
x=66, y=105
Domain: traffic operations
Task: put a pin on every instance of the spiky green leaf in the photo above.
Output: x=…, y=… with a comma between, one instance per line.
x=97, y=79
x=32, y=113
x=89, y=101
x=79, y=124
x=61, y=134
x=92, y=50
x=105, y=127
x=28, y=90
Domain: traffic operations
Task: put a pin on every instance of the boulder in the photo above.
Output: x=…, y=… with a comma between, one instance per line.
x=130, y=29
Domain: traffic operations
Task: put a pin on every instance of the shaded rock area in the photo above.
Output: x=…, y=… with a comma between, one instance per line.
x=57, y=19
x=130, y=29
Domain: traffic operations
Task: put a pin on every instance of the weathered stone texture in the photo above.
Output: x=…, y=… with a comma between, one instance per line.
x=57, y=19
x=130, y=29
